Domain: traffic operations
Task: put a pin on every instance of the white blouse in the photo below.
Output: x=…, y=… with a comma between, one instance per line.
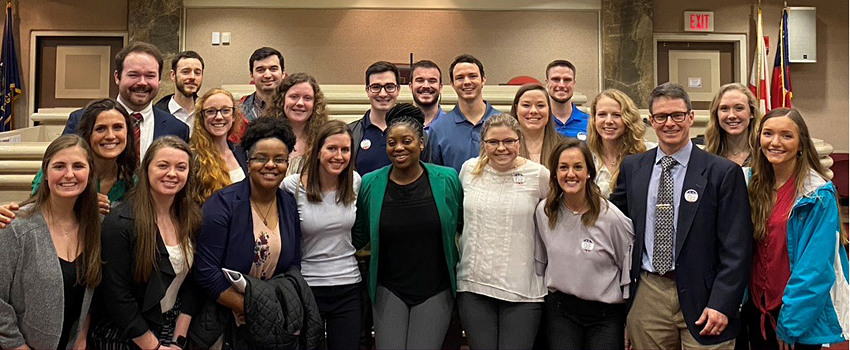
x=497, y=244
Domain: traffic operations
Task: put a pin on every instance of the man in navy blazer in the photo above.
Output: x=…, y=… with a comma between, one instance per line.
x=137, y=74
x=692, y=298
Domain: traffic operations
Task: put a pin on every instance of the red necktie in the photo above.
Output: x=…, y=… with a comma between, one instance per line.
x=137, y=131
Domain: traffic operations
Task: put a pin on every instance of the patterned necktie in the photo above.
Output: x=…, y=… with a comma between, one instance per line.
x=137, y=131
x=662, y=254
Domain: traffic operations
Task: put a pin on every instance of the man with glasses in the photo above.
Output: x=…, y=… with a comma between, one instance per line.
x=691, y=218
x=456, y=137
x=370, y=140
x=426, y=84
x=560, y=82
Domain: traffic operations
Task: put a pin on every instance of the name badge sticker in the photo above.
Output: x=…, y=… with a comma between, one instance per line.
x=581, y=136
x=587, y=245
x=691, y=195
x=365, y=144
x=519, y=179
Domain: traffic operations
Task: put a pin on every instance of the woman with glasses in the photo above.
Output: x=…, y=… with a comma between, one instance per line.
x=409, y=211
x=531, y=107
x=300, y=101
x=50, y=260
x=500, y=298
x=251, y=227
x=148, y=293
x=798, y=282
x=218, y=161
x=615, y=131
x=584, y=252
x=731, y=131
x=325, y=192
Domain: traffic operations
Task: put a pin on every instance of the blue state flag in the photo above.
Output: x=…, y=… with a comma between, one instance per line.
x=10, y=77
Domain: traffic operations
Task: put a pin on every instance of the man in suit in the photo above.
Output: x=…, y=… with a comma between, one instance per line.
x=187, y=73
x=691, y=217
x=137, y=73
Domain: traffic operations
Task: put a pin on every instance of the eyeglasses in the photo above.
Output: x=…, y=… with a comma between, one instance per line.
x=376, y=88
x=212, y=112
x=661, y=118
x=496, y=143
x=265, y=160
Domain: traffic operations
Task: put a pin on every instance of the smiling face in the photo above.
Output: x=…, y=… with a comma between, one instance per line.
x=109, y=135
x=533, y=110
x=733, y=112
x=382, y=100
x=218, y=125
x=267, y=74
x=501, y=156
x=138, y=82
x=403, y=146
x=426, y=86
x=467, y=81
x=572, y=172
x=609, y=119
x=168, y=171
x=268, y=175
x=335, y=154
x=298, y=103
x=189, y=76
x=561, y=83
x=672, y=135
x=780, y=141
x=68, y=173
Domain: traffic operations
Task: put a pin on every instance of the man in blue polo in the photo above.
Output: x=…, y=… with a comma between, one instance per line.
x=426, y=85
x=369, y=151
x=456, y=136
x=561, y=83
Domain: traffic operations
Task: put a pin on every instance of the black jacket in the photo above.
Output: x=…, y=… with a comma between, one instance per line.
x=356, y=128
x=280, y=313
x=135, y=307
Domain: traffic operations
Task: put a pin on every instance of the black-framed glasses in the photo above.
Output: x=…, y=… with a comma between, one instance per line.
x=376, y=88
x=265, y=160
x=212, y=112
x=661, y=118
x=496, y=143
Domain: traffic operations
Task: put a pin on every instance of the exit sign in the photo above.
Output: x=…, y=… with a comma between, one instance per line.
x=699, y=21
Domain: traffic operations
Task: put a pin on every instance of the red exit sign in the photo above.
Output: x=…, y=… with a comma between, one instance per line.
x=699, y=21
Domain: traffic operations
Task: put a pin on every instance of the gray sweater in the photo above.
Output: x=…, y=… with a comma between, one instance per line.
x=31, y=289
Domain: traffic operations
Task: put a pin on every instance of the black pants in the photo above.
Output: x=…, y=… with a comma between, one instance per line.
x=573, y=323
x=340, y=308
x=751, y=315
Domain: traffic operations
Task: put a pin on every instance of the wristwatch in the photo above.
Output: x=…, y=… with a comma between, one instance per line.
x=181, y=341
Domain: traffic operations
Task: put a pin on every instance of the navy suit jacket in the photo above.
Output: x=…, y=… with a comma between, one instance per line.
x=713, y=236
x=165, y=124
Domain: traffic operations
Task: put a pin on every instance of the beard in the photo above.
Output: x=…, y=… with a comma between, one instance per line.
x=182, y=90
x=560, y=100
x=426, y=104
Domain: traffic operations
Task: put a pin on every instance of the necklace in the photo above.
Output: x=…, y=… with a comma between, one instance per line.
x=264, y=217
x=65, y=231
x=575, y=212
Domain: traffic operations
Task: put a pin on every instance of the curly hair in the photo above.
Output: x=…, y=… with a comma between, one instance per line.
x=318, y=117
x=715, y=136
x=267, y=128
x=631, y=142
x=210, y=171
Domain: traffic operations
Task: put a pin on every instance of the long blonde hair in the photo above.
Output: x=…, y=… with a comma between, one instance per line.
x=494, y=121
x=716, y=138
x=551, y=137
x=631, y=142
x=210, y=171
x=763, y=179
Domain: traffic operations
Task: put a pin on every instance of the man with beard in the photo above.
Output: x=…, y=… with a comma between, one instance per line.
x=369, y=149
x=561, y=83
x=456, y=137
x=187, y=73
x=137, y=73
x=426, y=86
x=267, y=72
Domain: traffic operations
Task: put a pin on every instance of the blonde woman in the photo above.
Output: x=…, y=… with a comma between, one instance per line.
x=615, y=131
x=731, y=131
x=218, y=161
x=532, y=108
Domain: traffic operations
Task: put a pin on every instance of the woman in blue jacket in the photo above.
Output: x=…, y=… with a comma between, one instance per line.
x=799, y=270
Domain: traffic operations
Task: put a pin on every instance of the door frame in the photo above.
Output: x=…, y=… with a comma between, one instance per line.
x=740, y=41
x=34, y=35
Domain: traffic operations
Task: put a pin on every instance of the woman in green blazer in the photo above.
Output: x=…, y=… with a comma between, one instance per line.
x=410, y=211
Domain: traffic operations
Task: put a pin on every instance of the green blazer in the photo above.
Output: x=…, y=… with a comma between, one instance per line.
x=448, y=195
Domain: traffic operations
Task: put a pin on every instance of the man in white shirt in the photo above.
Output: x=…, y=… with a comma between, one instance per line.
x=137, y=73
x=187, y=73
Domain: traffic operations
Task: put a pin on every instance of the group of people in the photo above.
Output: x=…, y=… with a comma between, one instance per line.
x=164, y=226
